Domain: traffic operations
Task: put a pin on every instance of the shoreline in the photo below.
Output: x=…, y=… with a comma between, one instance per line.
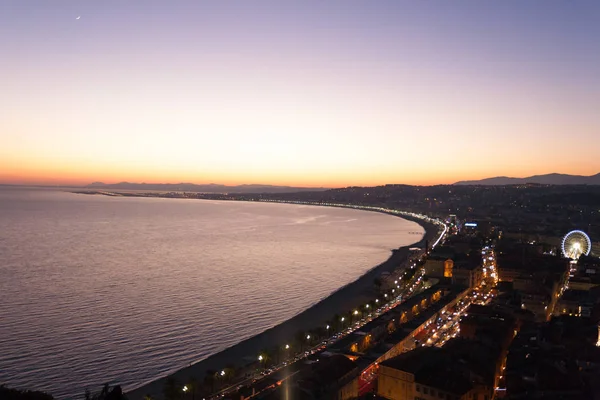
x=343, y=299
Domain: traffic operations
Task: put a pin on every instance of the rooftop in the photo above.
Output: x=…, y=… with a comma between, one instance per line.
x=576, y=295
x=433, y=367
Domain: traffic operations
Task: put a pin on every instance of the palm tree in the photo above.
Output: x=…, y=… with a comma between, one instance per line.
x=372, y=305
x=192, y=386
x=311, y=337
x=107, y=393
x=321, y=332
x=209, y=380
x=335, y=323
x=172, y=389
x=265, y=357
x=300, y=338
x=377, y=282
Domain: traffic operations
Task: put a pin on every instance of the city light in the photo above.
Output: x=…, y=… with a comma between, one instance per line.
x=260, y=358
x=185, y=389
x=223, y=373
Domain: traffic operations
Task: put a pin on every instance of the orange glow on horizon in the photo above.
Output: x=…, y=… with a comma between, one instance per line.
x=65, y=176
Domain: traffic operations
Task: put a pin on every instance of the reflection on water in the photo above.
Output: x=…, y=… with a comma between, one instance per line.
x=105, y=289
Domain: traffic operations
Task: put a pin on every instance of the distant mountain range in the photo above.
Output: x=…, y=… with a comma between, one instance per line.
x=548, y=179
x=191, y=187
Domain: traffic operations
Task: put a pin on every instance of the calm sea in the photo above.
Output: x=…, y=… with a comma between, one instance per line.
x=98, y=289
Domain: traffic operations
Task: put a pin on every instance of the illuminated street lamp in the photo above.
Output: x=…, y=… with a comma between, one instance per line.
x=185, y=389
x=260, y=357
x=287, y=346
x=307, y=337
x=222, y=372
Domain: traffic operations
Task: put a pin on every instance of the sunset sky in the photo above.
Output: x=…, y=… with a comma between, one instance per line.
x=306, y=93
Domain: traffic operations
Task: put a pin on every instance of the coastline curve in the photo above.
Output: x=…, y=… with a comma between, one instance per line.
x=346, y=297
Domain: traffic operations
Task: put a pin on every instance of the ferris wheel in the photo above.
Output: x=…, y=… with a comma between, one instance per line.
x=576, y=243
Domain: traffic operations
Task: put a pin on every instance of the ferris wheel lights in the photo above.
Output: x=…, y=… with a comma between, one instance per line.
x=575, y=244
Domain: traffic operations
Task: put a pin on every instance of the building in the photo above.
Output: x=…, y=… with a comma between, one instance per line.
x=577, y=303
x=584, y=282
x=467, y=273
x=538, y=280
x=429, y=373
x=435, y=264
x=513, y=263
x=448, y=266
x=329, y=378
x=555, y=360
x=588, y=265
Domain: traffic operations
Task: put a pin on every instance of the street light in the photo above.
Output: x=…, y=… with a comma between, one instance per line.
x=287, y=346
x=343, y=319
x=355, y=312
x=185, y=389
x=307, y=337
x=223, y=373
x=260, y=357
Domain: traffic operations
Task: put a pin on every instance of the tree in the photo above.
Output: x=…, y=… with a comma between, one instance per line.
x=192, y=386
x=14, y=394
x=209, y=380
x=230, y=372
x=373, y=305
x=320, y=332
x=107, y=393
x=336, y=323
x=172, y=389
x=115, y=394
x=377, y=282
x=264, y=357
x=300, y=338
